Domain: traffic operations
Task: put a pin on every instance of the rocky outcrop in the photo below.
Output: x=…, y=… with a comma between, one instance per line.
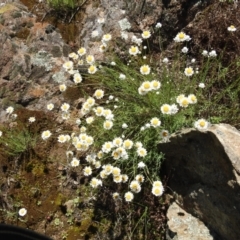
x=31, y=58
x=204, y=173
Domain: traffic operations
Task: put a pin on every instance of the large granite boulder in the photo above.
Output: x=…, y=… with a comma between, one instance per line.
x=204, y=174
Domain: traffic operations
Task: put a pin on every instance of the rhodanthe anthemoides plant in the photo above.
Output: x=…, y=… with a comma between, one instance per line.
x=134, y=106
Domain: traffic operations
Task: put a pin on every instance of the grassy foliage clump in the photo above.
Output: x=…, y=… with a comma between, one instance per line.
x=64, y=4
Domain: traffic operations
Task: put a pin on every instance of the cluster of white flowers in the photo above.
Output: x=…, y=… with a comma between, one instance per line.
x=212, y=53
x=136, y=40
x=95, y=182
x=157, y=188
x=77, y=78
x=184, y=101
x=64, y=138
x=148, y=86
x=169, y=109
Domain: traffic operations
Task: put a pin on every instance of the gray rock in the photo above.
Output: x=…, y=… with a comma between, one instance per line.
x=184, y=226
x=203, y=169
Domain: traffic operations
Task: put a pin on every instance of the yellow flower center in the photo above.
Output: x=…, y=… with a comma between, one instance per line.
x=181, y=35
x=155, y=122
x=155, y=84
x=146, y=33
x=202, y=123
x=89, y=59
x=91, y=68
x=185, y=102
x=145, y=69
x=146, y=85
x=127, y=144
x=157, y=191
x=166, y=108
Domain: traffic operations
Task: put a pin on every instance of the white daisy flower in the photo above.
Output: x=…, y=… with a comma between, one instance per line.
x=90, y=59
x=127, y=144
x=158, y=25
x=62, y=87
x=184, y=50
x=32, y=119
x=46, y=134
x=192, y=99
x=141, y=165
x=140, y=178
x=165, y=60
x=201, y=124
x=135, y=186
x=155, y=122
x=107, y=124
x=205, y=53
x=75, y=162
x=68, y=65
x=99, y=93
x=212, y=53
x=62, y=138
x=9, y=110
x=231, y=28
x=181, y=37
x=87, y=171
x=92, y=69
x=77, y=78
x=128, y=196
x=146, y=34
x=145, y=70
x=133, y=50
x=166, y=109
x=81, y=51
x=189, y=71
x=142, y=152
x=22, y=212
x=50, y=106
x=157, y=191
x=65, y=107
x=106, y=37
